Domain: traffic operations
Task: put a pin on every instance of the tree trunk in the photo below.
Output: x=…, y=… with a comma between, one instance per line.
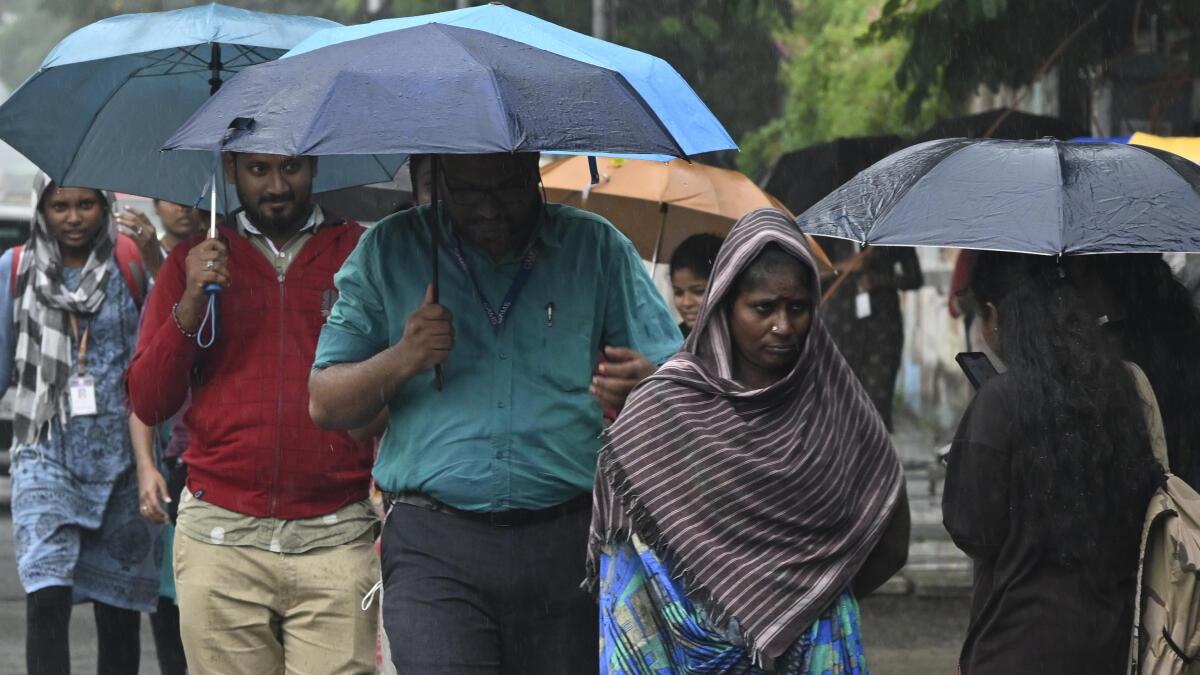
x=600, y=19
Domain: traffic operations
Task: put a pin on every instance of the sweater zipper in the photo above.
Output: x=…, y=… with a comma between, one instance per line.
x=279, y=407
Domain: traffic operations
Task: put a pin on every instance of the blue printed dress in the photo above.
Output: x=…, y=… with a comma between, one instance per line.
x=649, y=626
x=75, y=493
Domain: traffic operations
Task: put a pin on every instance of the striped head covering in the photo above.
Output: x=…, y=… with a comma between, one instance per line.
x=41, y=310
x=765, y=502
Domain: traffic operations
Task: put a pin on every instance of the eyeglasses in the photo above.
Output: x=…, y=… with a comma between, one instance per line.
x=507, y=194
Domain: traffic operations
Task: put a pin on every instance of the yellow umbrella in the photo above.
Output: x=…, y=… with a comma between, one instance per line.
x=658, y=205
x=1184, y=146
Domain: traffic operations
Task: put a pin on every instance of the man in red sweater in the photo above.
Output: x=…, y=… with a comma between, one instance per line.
x=276, y=549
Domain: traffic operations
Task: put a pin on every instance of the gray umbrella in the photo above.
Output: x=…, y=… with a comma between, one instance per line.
x=1047, y=197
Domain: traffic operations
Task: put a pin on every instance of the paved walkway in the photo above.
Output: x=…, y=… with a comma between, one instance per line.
x=935, y=565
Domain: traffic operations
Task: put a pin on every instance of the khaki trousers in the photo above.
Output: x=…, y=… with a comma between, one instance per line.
x=246, y=611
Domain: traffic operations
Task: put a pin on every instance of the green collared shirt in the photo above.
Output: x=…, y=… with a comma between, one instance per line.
x=515, y=425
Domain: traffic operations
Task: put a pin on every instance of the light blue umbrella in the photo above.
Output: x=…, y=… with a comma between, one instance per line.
x=98, y=111
x=681, y=111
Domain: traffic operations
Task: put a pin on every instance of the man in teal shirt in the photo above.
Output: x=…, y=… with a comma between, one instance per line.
x=491, y=476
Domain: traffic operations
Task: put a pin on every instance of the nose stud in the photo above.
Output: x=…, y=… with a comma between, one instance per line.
x=774, y=329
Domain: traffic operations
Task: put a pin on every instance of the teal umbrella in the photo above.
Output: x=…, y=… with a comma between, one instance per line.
x=104, y=101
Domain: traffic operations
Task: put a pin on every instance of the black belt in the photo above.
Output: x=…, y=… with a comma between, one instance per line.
x=510, y=518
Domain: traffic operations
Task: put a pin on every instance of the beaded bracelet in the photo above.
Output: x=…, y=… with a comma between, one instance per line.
x=175, y=315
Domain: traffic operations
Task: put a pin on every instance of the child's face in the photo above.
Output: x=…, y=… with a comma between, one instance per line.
x=688, y=290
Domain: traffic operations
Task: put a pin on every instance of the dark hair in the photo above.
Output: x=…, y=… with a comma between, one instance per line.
x=772, y=260
x=696, y=253
x=1083, y=470
x=1160, y=331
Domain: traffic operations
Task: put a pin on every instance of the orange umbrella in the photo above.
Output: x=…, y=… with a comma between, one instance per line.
x=659, y=205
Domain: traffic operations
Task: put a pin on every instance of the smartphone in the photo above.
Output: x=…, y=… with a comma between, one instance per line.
x=976, y=366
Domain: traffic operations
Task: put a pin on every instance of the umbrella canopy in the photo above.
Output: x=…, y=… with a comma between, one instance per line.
x=802, y=177
x=665, y=91
x=432, y=88
x=99, y=109
x=656, y=205
x=1046, y=197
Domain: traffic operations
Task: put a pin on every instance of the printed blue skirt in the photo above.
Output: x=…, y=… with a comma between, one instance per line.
x=648, y=626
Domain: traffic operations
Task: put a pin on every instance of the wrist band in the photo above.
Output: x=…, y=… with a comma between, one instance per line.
x=175, y=316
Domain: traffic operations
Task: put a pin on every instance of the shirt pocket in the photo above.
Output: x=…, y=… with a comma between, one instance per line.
x=567, y=351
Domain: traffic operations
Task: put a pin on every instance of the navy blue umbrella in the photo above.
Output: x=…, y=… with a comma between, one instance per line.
x=432, y=88
x=685, y=116
x=1047, y=197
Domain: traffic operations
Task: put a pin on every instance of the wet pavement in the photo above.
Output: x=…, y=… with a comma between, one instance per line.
x=914, y=626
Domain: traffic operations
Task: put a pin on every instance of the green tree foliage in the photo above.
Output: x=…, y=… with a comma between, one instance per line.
x=956, y=45
x=724, y=48
x=838, y=84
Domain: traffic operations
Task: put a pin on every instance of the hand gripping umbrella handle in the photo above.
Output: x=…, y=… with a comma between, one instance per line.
x=206, y=335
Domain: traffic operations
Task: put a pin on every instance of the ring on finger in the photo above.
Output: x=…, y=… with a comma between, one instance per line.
x=210, y=265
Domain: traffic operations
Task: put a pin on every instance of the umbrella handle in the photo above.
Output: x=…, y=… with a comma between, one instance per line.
x=209, y=322
x=435, y=236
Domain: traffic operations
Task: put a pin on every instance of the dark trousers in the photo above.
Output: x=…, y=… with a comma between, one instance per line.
x=463, y=596
x=164, y=625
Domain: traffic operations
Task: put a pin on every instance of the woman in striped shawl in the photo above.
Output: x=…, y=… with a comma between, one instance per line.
x=748, y=491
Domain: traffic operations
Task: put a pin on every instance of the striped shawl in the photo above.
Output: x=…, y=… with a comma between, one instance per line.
x=764, y=502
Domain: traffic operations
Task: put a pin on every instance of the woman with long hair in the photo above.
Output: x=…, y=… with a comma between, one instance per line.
x=749, y=492
x=78, y=533
x=1048, y=481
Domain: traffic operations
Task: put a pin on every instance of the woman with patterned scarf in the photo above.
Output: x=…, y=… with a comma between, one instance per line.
x=78, y=533
x=748, y=492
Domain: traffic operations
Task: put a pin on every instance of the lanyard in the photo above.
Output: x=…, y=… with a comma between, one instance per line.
x=83, y=342
x=496, y=318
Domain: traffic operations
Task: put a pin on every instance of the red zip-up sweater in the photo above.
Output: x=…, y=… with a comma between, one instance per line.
x=253, y=447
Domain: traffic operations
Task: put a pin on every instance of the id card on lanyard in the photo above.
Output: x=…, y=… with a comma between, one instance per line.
x=80, y=386
x=496, y=317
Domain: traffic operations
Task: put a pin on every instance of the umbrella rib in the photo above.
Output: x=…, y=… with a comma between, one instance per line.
x=905, y=192
x=263, y=58
x=383, y=168
x=495, y=85
x=184, y=54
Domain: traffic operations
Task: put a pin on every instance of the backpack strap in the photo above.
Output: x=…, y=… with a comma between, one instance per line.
x=133, y=269
x=16, y=265
x=129, y=261
x=1154, y=423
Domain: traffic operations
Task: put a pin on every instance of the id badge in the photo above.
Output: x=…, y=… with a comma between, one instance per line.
x=862, y=305
x=82, y=390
